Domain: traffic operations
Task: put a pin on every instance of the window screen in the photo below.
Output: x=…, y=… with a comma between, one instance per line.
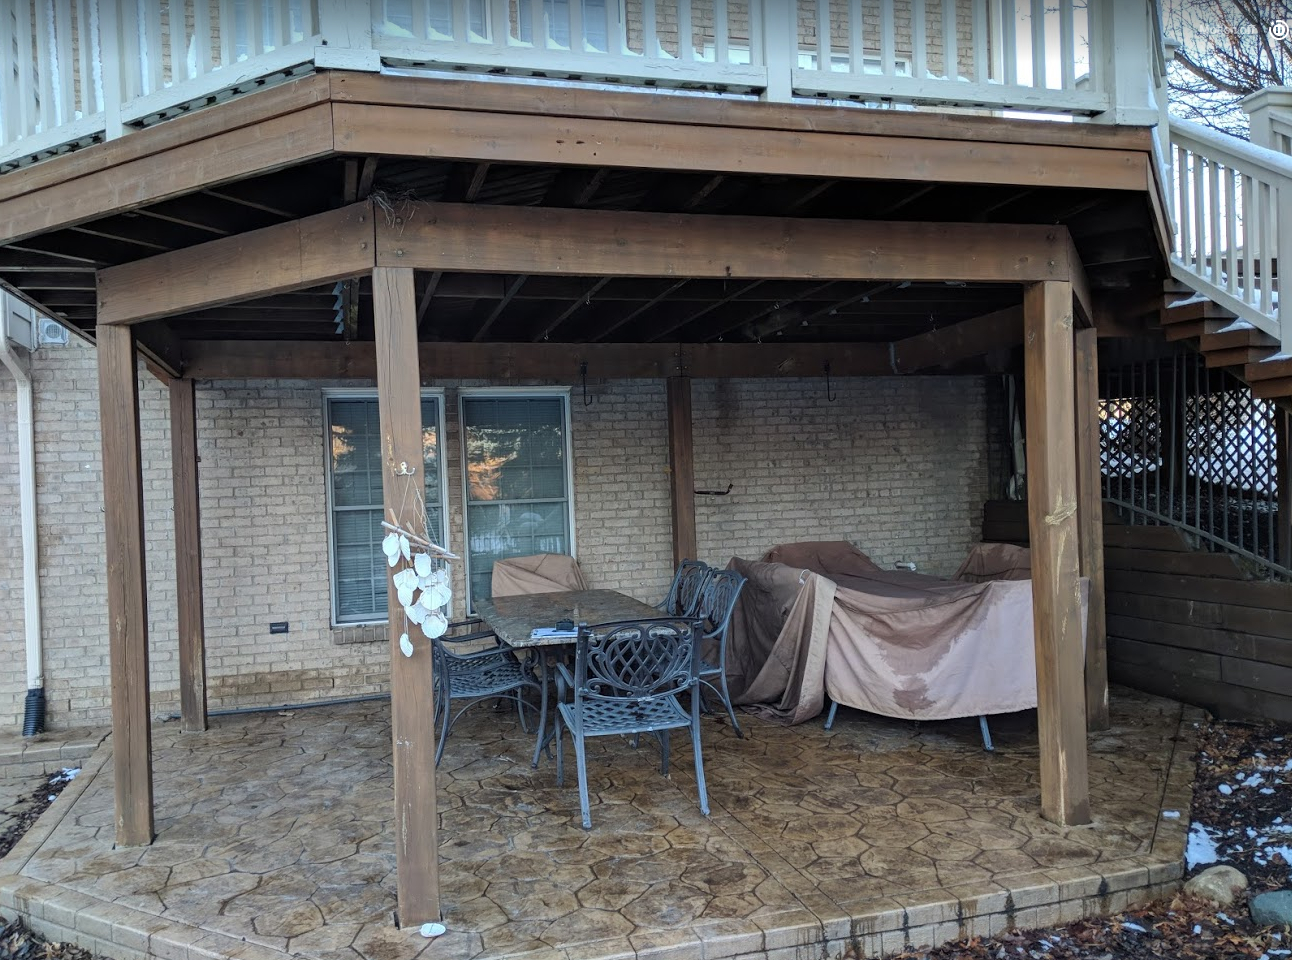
x=354, y=487
x=518, y=499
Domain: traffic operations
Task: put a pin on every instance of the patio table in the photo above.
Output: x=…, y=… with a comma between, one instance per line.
x=514, y=619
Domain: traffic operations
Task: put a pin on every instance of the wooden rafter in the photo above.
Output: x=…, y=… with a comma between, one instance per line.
x=550, y=327
x=512, y=289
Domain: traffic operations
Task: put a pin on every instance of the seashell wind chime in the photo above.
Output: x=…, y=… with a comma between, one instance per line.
x=424, y=587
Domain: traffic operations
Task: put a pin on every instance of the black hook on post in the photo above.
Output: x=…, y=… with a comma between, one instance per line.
x=583, y=375
x=828, y=395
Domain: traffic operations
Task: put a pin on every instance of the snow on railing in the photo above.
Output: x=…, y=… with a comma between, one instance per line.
x=1228, y=198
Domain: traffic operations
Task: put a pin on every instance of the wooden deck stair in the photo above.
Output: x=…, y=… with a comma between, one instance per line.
x=1225, y=341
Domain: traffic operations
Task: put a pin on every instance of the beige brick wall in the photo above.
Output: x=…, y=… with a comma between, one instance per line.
x=899, y=466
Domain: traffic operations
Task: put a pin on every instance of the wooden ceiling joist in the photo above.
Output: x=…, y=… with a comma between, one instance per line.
x=962, y=341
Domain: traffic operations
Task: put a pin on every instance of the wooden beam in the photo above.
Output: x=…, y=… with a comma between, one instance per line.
x=411, y=680
x=1090, y=523
x=188, y=557
x=496, y=138
x=1085, y=313
x=575, y=101
x=123, y=508
x=681, y=469
x=274, y=359
x=1052, y=524
x=531, y=240
x=269, y=145
x=960, y=341
x=319, y=249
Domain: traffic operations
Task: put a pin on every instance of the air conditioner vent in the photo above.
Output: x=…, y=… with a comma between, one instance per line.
x=51, y=331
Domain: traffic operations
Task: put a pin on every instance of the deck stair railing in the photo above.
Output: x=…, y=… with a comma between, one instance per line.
x=1190, y=447
x=78, y=71
x=1228, y=198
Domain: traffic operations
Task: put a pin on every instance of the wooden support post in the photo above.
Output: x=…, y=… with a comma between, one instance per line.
x=188, y=557
x=1090, y=523
x=1052, y=524
x=403, y=485
x=681, y=468
x=123, y=508
x=1283, y=451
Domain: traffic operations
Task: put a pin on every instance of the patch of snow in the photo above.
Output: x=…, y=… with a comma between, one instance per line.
x=1224, y=917
x=1225, y=788
x=1255, y=780
x=1197, y=929
x=1237, y=325
x=1134, y=926
x=1267, y=790
x=1170, y=814
x=1196, y=298
x=1202, y=846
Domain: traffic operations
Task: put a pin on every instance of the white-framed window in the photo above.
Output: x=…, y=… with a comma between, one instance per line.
x=354, y=498
x=517, y=480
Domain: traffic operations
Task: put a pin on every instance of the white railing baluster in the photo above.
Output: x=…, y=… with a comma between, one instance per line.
x=1269, y=205
x=1231, y=232
x=856, y=39
x=650, y=34
x=255, y=28
x=950, y=41
x=177, y=15
x=1067, y=45
x=462, y=20
x=228, y=28
x=685, y=31
x=887, y=39
x=85, y=46
x=27, y=106
x=824, y=48
x=575, y=8
x=1184, y=209
x=721, y=33
x=10, y=131
x=1039, y=76
x=203, y=35
x=48, y=110
x=1200, y=212
x=499, y=22
x=63, y=41
x=919, y=41
x=1009, y=44
x=1213, y=219
x=1283, y=253
x=981, y=50
x=1249, y=242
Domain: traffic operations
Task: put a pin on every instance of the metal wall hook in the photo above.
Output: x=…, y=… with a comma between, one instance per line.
x=714, y=493
x=828, y=394
x=583, y=375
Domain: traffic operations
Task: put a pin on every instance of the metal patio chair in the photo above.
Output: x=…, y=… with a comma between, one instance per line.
x=627, y=679
x=475, y=675
x=687, y=589
x=717, y=604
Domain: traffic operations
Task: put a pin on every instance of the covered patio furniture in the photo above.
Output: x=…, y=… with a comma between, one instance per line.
x=687, y=588
x=717, y=604
x=465, y=671
x=626, y=680
x=540, y=573
x=820, y=619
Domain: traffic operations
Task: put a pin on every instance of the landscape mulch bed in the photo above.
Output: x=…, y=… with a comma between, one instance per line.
x=1242, y=797
x=22, y=814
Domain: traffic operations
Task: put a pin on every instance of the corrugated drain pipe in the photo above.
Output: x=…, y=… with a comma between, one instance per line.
x=20, y=366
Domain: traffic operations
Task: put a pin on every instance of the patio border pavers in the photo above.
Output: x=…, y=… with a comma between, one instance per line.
x=1034, y=899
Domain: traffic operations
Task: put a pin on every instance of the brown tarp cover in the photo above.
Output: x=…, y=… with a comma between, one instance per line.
x=541, y=573
x=824, y=619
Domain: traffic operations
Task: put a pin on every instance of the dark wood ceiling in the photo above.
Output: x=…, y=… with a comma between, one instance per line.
x=1112, y=231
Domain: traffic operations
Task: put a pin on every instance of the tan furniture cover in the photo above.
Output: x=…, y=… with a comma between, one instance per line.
x=825, y=619
x=541, y=573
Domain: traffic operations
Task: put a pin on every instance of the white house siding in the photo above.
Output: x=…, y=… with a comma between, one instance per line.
x=897, y=465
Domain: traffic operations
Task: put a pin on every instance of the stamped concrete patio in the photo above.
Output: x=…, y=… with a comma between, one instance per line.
x=273, y=839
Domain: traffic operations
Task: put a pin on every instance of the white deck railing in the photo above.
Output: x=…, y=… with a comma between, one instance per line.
x=103, y=67
x=1228, y=199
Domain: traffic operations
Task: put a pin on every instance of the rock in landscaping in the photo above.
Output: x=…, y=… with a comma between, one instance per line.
x=1272, y=909
x=1221, y=885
